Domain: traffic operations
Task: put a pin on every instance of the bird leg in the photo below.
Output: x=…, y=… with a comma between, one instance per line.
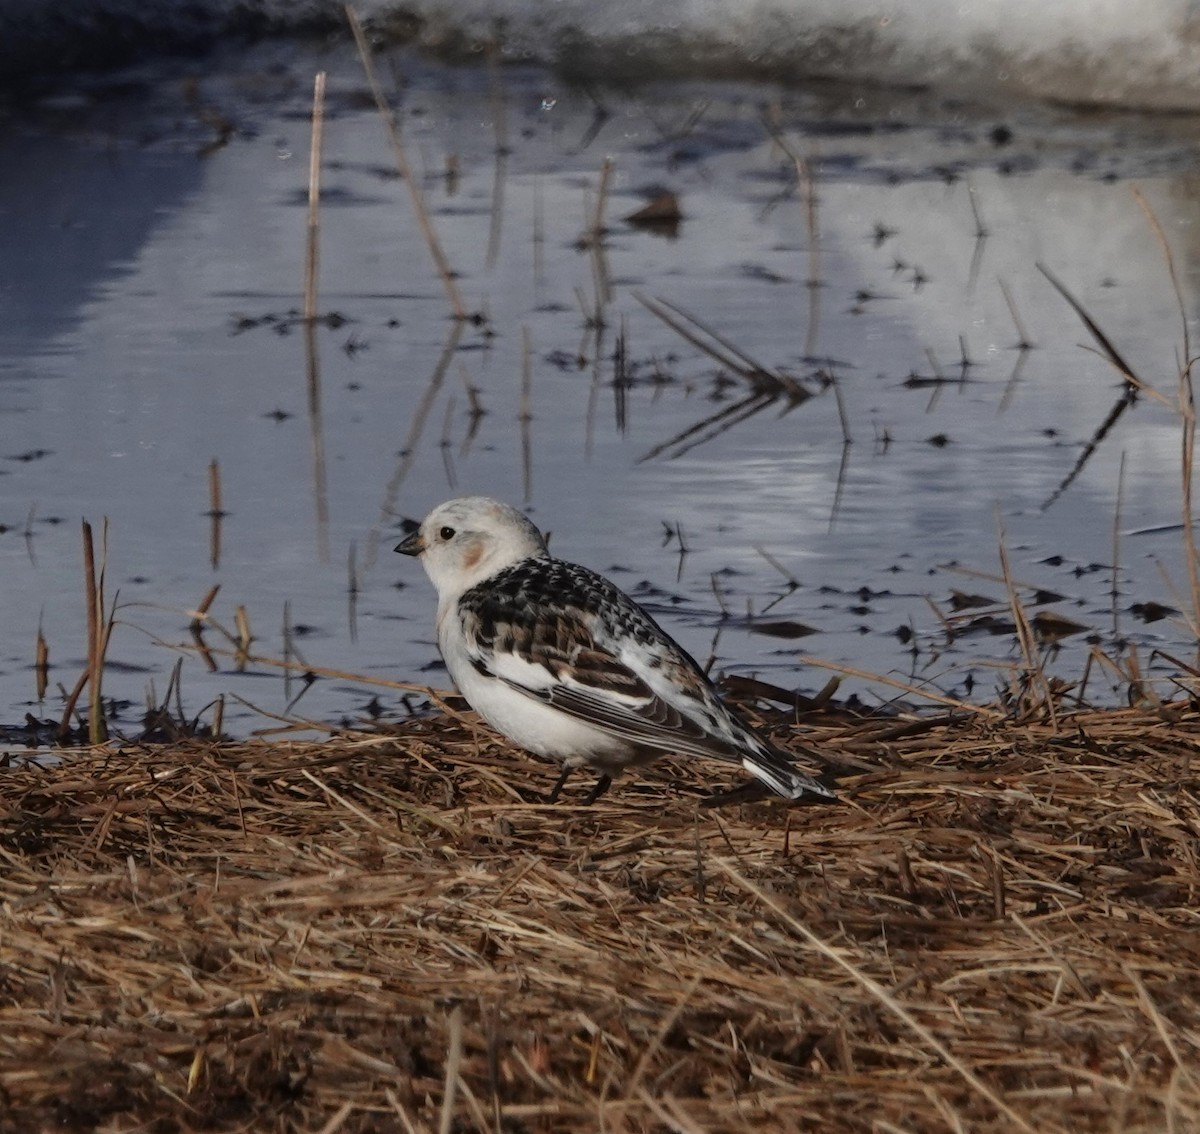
x=558, y=785
x=602, y=785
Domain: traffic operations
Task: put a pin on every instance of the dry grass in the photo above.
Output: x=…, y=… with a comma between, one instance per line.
x=997, y=930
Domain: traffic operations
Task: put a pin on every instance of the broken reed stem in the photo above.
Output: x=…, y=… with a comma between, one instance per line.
x=311, y=358
x=41, y=665
x=214, y=488
x=981, y=230
x=594, y=242
x=445, y=444
x=1025, y=637
x=1116, y=546
x=241, y=620
x=500, y=123
x=813, y=284
x=243, y=658
x=792, y=582
x=94, y=596
x=807, y=186
x=215, y=512
x=539, y=232
x=1187, y=409
x=406, y=173
x=287, y=650
x=410, y=448
x=525, y=415
x=27, y=534
x=352, y=589
x=596, y=230
x=200, y=614
x=925, y=693
x=721, y=349
x=841, y=408
x=70, y=700
x=475, y=413
x=1170, y=259
x=1107, y=349
x=316, y=430
x=1024, y=342
x=314, y=198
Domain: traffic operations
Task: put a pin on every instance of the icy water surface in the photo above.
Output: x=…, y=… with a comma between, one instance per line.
x=151, y=277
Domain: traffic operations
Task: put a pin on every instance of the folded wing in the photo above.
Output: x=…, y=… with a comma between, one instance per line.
x=574, y=664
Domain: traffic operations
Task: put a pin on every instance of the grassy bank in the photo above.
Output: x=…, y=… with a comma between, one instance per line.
x=996, y=930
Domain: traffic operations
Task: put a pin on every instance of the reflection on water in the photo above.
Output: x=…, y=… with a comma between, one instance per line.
x=814, y=402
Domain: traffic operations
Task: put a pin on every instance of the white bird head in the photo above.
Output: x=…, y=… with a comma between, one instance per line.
x=465, y=541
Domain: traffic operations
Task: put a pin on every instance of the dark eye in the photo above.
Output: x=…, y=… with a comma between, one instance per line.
x=447, y=533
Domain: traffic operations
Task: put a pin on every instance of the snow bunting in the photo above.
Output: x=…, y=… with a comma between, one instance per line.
x=565, y=664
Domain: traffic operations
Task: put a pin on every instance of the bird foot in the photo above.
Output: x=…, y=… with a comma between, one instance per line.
x=601, y=786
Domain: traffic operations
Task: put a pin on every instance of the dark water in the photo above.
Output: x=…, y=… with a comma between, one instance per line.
x=152, y=270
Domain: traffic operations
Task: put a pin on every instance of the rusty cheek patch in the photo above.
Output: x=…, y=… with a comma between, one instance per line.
x=473, y=556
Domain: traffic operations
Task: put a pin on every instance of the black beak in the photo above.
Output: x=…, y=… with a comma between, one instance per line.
x=411, y=545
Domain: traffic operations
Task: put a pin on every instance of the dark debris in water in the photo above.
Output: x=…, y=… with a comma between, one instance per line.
x=1044, y=598
x=960, y=600
x=660, y=216
x=282, y=324
x=779, y=628
x=1052, y=627
x=35, y=733
x=157, y=726
x=1152, y=611
x=987, y=624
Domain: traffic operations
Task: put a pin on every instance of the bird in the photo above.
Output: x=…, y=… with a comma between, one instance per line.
x=562, y=662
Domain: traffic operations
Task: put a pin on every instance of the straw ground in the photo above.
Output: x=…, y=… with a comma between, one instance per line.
x=997, y=930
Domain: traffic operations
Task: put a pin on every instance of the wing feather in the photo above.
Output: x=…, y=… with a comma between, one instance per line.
x=578, y=661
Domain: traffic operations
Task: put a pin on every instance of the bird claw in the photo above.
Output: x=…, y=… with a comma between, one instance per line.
x=601, y=786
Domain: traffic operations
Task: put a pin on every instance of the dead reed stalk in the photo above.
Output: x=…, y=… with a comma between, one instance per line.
x=41, y=663
x=525, y=414
x=808, y=192
x=215, y=513
x=312, y=244
x=406, y=172
x=500, y=124
x=312, y=361
x=98, y=628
